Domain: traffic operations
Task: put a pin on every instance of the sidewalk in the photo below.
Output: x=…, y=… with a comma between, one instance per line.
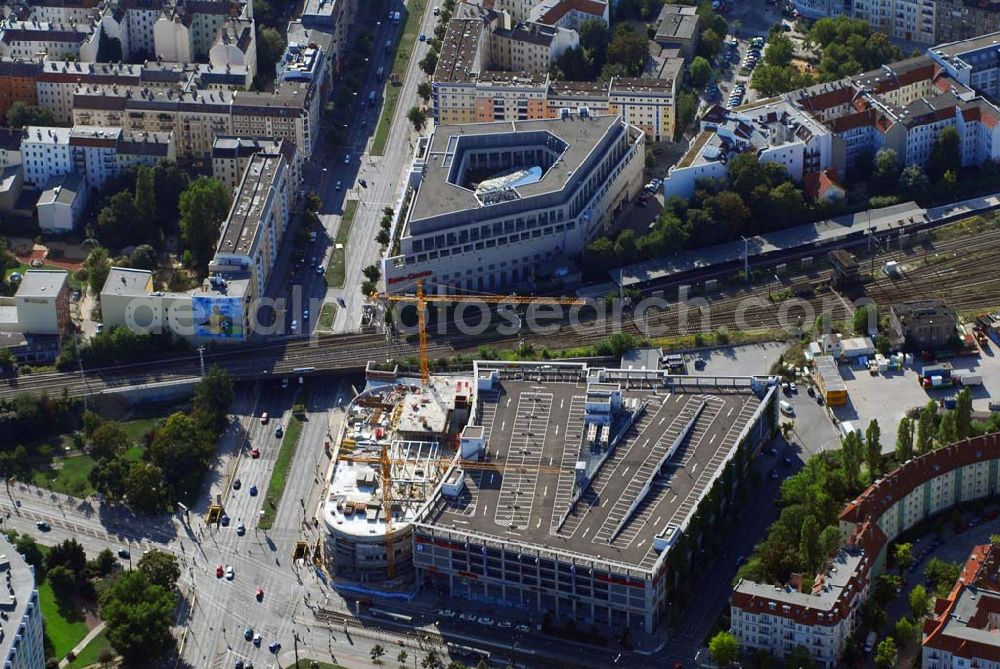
x=78, y=648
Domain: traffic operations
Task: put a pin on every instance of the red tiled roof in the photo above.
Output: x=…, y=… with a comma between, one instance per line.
x=815, y=184
x=898, y=483
x=864, y=512
x=564, y=7
x=852, y=121
x=841, y=95
x=979, y=571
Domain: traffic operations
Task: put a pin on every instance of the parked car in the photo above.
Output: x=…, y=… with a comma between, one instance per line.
x=446, y=613
x=230, y=573
x=248, y=633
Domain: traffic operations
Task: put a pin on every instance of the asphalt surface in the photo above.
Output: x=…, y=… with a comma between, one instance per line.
x=534, y=435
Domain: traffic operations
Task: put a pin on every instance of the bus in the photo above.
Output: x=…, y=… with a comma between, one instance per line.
x=468, y=651
x=389, y=615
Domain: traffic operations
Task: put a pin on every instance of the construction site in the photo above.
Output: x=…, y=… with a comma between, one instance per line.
x=553, y=488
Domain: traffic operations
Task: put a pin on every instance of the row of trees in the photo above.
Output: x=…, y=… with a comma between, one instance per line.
x=806, y=531
x=178, y=451
x=119, y=345
x=930, y=429
x=754, y=198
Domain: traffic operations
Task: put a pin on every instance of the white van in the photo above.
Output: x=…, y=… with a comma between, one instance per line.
x=786, y=408
x=264, y=418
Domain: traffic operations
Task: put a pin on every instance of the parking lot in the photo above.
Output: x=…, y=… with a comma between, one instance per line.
x=813, y=430
x=889, y=396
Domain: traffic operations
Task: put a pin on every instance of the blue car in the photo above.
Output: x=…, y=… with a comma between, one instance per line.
x=224, y=520
x=253, y=491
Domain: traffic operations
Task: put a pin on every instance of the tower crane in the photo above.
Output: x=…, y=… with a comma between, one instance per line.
x=421, y=299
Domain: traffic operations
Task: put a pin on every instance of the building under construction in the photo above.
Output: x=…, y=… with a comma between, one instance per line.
x=566, y=490
x=403, y=433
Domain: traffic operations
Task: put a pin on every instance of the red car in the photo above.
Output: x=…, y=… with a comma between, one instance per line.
x=218, y=571
x=260, y=594
x=255, y=453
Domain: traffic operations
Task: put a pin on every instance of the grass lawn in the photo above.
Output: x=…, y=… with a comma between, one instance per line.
x=276, y=486
x=71, y=475
x=70, y=478
x=64, y=625
x=326, y=315
x=91, y=652
x=313, y=664
x=404, y=50
x=336, y=269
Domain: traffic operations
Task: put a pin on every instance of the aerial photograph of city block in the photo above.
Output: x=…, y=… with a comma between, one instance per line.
x=453, y=334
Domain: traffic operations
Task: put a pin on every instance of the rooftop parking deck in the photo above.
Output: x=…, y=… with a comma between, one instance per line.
x=668, y=446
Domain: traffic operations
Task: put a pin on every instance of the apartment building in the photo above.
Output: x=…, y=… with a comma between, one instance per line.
x=231, y=155
x=331, y=17
x=964, y=19
x=133, y=22
x=529, y=48
x=290, y=112
x=40, y=40
x=95, y=153
x=962, y=631
x=222, y=309
x=903, y=106
x=252, y=233
x=822, y=616
x=235, y=46
x=58, y=11
x=974, y=62
x=193, y=118
x=21, y=637
x=57, y=81
x=308, y=57
x=186, y=31
x=62, y=203
x=468, y=88
x=569, y=14
x=520, y=217
x=648, y=104
x=17, y=83
x=42, y=302
x=911, y=20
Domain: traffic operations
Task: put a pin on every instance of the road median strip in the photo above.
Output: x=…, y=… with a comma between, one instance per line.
x=336, y=268
x=279, y=475
x=404, y=52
